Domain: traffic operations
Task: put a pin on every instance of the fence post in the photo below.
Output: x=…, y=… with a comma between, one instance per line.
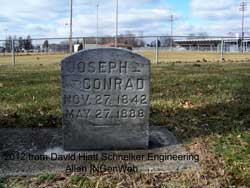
x=83, y=43
x=156, y=50
x=13, y=52
x=222, y=51
x=171, y=44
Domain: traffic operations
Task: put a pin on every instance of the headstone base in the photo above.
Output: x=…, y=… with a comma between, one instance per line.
x=23, y=153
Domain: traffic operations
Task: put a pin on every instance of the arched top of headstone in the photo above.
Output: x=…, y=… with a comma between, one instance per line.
x=106, y=54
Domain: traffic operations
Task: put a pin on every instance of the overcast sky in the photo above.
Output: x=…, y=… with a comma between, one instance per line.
x=49, y=18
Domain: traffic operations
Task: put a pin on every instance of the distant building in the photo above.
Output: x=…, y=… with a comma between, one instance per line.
x=211, y=44
x=119, y=45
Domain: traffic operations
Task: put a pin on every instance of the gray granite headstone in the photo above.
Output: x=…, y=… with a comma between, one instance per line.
x=105, y=98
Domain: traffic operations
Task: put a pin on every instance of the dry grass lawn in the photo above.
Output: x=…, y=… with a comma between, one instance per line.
x=205, y=104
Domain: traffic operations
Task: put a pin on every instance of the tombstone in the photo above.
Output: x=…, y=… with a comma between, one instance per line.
x=105, y=99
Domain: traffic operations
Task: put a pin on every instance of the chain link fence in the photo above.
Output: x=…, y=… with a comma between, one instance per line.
x=158, y=49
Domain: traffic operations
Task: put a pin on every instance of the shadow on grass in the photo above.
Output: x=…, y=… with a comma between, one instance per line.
x=32, y=120
x=184, y=123
x=168, y=83
x=212, y=119
x=219, y=97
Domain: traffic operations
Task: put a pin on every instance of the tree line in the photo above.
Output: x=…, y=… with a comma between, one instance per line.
x=20, y=43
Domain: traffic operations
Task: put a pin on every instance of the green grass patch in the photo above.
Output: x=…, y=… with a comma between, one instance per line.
x=196, y=101
x=235, y=149
x=45, y=177
x=82, y=181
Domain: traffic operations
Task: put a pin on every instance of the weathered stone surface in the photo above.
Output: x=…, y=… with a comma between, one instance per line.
x=105, y=96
